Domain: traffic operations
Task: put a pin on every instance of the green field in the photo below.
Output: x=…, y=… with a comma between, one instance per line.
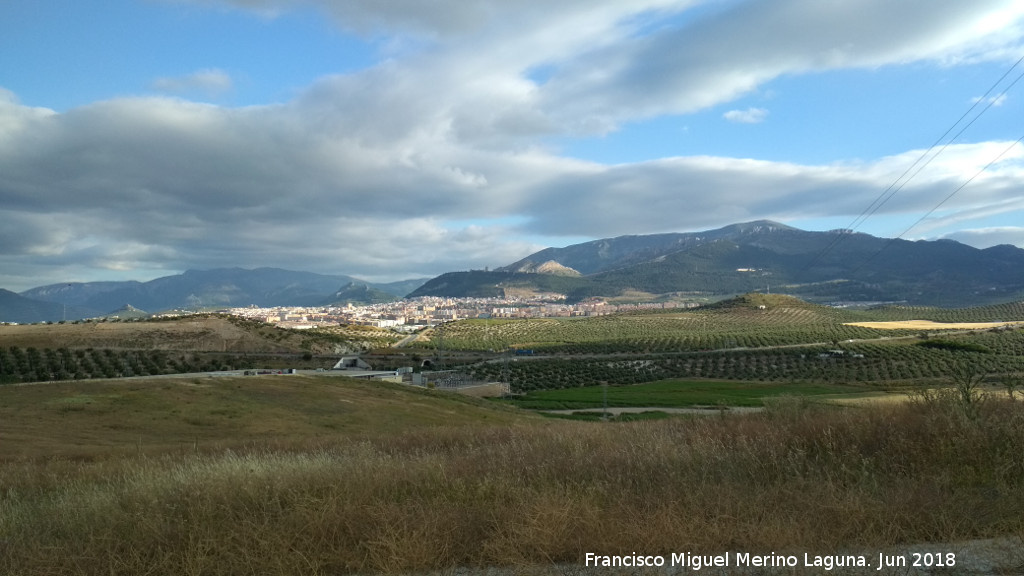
x=677, y=394
x=750, y=321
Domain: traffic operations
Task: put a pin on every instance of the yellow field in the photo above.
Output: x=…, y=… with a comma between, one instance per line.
x=929, y=325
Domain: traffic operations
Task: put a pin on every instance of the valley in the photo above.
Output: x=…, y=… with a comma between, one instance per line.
x=853, y=437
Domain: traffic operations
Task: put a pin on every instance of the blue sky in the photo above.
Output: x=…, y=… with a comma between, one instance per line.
x=386, y=140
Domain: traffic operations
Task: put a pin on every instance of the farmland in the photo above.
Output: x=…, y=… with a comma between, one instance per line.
x=754, y=338
x=875, y=363
x=325, y=475
x=292, y=475
x=737, y=323
x=83, y=350
x=160, y=415
x=679, y=393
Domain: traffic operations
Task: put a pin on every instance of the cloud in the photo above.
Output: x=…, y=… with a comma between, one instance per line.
x=748, y=116
x=987, y=237
x=695, y=193
x=210, y=82
x=165, y=184
x=607, y=62
x=991, y=100
x=707, y=61
x=417, y=165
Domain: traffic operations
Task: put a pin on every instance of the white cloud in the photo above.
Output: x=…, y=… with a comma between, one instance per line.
x=991, y=100
x=719, y=58
x=167, y=184
x=748, y=116
x=695, y=193
x=987, y=237
x=365, y=173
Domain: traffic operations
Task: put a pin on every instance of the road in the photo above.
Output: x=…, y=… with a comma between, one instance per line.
x=406, y=341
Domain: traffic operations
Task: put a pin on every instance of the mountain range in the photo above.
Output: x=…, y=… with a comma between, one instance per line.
x=837, y=265
x=195, y=289
x=766, y=256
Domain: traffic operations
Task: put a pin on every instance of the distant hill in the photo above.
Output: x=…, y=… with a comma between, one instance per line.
x=199, y=289
x=17, y=308
x=763, y=256
x=127, y=312
x=612, y=253
x=549, y=267
x=399, y=288
x=359, y=294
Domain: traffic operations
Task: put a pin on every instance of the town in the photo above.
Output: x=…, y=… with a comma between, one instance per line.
x=416, y=313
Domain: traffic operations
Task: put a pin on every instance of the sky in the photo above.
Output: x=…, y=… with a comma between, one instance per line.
x=393, y=139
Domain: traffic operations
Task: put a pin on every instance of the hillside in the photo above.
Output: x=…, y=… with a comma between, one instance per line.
x=764, y=256
x=277, y=475
x=17, y=308
x=358, y=294
x=161, y=414
x=202, y=333
x=481, y=284
x=612, y=253
x=193, y=290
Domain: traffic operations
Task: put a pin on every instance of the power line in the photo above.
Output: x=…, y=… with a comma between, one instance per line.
x=896, y=186
x=939, y=205
x=893, y=188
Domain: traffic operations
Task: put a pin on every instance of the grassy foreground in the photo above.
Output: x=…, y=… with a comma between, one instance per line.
x=102, y=418
x=796, y=477
x=678, y=393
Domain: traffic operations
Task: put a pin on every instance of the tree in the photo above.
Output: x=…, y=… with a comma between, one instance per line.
x=967, y=379
x=1011, y=382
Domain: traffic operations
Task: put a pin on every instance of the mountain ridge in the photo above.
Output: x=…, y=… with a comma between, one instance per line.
x=755, y=256
x=191, y=289
x=762, y=255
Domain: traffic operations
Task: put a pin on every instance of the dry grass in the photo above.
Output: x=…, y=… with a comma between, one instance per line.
x=796, y=477
x=100, y=418
x=198, y=333
x=930, y=325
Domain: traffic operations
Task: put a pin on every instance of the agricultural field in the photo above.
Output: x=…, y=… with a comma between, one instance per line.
x=682, y=394
x=755, y=338
x=202, y=343
x=929, y=325
x=155, y=415
x=40, y=365
x=1006, y=312
x=196, y=333
x=880, y=363
x=323, y=475
x=281, y=475
x=737, y=323
x=734, y=324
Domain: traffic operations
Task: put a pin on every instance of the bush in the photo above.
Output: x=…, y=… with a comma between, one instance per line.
x=954, y=345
